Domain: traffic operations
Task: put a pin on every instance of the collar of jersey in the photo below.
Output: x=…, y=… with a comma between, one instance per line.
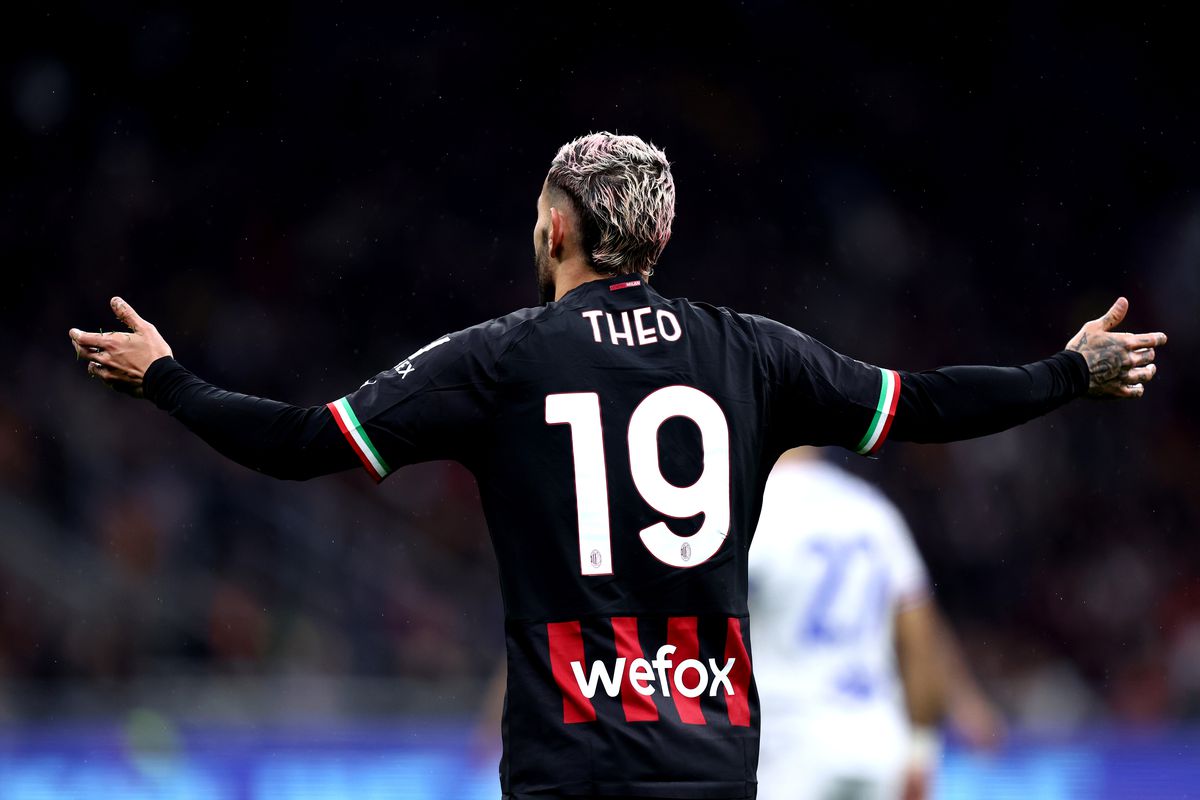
x=606, y=285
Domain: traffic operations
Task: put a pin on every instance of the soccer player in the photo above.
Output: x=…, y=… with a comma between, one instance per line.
x=621, y=441
x=853, y=664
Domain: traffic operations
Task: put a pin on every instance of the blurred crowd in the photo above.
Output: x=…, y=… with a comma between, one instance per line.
x=299, y=201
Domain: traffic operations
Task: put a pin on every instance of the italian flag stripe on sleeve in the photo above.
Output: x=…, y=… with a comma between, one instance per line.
x=885, y=411
x=356, y=435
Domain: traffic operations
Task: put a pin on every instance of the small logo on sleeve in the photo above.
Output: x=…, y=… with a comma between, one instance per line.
x=405, y=366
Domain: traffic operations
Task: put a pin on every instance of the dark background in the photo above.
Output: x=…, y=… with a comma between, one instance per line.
x=298, y=199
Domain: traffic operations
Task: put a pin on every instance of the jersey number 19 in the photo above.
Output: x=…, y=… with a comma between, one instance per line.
x=709, y=495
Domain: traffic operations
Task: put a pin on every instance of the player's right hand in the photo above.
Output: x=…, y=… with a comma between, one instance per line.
x=121, y=358
x=1119, y=364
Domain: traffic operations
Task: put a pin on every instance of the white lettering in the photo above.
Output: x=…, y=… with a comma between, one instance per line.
x=701, y=684
x=721, y=676
x=594, y=318
x=640, y=676
x=429, y=347
x=405, y=366
x=645, y=335
x=611, y=681
x=625, y=333
x=638, y=332
x=665, y=316
x=662, y=664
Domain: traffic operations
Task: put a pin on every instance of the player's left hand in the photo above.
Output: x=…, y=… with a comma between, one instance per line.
x=121, y=358
x=1119, y=364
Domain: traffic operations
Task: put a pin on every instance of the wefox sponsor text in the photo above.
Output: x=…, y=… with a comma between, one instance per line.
x=643, y=674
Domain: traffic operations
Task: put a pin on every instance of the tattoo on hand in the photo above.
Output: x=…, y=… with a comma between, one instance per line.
x=1119, y=364
x=1104, y=355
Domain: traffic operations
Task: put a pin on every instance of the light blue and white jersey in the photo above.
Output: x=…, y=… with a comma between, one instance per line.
x=830, y=565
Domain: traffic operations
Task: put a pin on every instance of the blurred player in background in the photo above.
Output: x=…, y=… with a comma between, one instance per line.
x=855, y=668
x=621, y=441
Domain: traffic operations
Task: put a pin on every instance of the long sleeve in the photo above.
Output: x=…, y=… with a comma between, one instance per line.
x=277, y=439
x=822, y=397
x=953, y=403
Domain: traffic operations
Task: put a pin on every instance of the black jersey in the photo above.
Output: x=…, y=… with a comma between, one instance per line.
x=621, y=442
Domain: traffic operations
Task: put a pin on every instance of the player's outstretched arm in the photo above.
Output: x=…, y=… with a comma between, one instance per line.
x=278, y=439
x=954, y=403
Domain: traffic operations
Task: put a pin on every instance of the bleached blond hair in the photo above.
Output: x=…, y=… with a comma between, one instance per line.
x=623, y=190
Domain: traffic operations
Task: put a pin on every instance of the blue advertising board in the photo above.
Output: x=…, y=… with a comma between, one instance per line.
x=149, y=758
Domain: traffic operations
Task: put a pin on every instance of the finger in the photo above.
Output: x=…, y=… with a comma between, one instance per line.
x=88, y=339
x=107, y=376
x=1139, y=375
x=1112, y=318
x=1139, y=358
x=126, y=314
x=1133, y=390
x=1138, y=340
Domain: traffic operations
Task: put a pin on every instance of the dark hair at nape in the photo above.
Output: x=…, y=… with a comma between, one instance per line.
x=589, y=225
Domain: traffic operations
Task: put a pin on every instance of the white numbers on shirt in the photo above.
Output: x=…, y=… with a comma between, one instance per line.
x=582, y=413
x=709, y=495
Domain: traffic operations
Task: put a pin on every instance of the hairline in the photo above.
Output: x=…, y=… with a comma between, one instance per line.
x=586, y=220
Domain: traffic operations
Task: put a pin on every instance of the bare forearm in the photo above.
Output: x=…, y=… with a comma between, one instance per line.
x=921, y=668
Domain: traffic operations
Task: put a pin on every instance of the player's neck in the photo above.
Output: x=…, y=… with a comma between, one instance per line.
x=571, y=274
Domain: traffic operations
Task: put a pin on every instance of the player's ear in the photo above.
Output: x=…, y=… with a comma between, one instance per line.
x=557, y=232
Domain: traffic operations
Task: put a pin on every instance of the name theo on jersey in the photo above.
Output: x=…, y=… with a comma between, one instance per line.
x=641, y=326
